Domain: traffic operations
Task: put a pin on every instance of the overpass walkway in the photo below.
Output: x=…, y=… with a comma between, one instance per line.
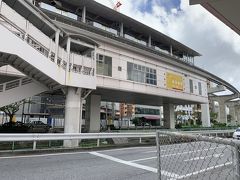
x=44, y=54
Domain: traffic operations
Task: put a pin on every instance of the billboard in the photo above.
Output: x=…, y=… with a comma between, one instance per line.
x=174, y=81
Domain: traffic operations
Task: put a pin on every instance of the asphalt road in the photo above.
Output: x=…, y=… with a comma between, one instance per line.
x=179, y=161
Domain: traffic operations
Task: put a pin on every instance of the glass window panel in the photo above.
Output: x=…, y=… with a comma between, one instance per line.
x=139, y=67
x=108, y=66
x=141, y=74
x=200, y=88
x=191, y=85
x=104, y=65
x=100, y=57
x=142, y=77
x=135, y=66
x=135, y=76
x=130, y=71
x=99, y=68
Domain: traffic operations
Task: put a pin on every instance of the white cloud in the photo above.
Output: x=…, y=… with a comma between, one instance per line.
x=197, y=28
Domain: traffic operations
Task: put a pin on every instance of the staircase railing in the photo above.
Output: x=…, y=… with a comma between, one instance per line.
x=26, y=31
x=15, y=84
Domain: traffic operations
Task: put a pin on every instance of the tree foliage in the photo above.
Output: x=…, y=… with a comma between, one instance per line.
x=136, y=121
x=10, y=110
x=213, y=117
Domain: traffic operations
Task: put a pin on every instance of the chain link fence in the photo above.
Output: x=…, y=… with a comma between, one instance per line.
x=185, y=156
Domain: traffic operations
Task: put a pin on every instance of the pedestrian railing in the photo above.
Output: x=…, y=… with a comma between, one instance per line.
x=188, y=156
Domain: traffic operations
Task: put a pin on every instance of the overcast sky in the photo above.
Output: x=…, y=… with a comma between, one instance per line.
x=193, y=26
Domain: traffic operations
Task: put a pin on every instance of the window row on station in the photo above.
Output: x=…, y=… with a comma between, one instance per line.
x=144, y=74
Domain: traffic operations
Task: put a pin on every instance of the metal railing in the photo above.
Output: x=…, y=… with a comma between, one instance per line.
x=34, y=138
x=188, y=156
x=205, y=132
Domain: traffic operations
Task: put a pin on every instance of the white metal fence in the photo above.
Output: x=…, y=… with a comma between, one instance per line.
x=188, y=156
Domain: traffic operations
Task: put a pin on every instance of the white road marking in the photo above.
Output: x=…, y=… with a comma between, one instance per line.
x=150, y=152
x=204, y=170
x=204, y=157
x=144, y=159
x=42, y=155
x=163, y=150
x=147, y=168
x=130, y=148
x=188, y=152
x=155, y=151
x=175, y=154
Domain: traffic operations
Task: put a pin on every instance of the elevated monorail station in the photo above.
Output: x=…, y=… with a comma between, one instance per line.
x=86, y=51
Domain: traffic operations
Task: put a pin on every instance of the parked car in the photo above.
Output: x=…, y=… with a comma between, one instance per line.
x=38, y=127
x=236, y=134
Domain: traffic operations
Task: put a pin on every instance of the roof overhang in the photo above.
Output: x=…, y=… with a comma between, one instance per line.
x=225, y=10
x=31, y=13
x=111, y=18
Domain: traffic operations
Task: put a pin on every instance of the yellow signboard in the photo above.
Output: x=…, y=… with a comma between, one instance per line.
x=174, y=81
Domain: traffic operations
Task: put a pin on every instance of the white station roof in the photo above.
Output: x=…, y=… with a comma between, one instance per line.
x=225, y=10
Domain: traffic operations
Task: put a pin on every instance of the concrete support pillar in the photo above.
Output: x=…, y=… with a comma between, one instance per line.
x=68, y=54
x=56, y=45
x=72, y=114
x=149, y=41
x=121, y=30
x=93, y=104
x=84, y=14
x=222, y=112
x=169, y=117
x=205, y=115
x=232, y=114
x=237, y=114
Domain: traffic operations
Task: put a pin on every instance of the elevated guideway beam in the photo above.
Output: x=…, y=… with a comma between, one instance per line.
x=218, y=88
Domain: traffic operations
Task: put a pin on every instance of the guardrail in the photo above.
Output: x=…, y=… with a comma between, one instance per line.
x=33, y=137
x=218, y=132
x=80, y=136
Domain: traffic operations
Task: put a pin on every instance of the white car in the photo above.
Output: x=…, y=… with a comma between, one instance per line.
x=236, y=134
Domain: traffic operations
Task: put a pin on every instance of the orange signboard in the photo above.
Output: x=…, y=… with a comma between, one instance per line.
x=174, y=81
